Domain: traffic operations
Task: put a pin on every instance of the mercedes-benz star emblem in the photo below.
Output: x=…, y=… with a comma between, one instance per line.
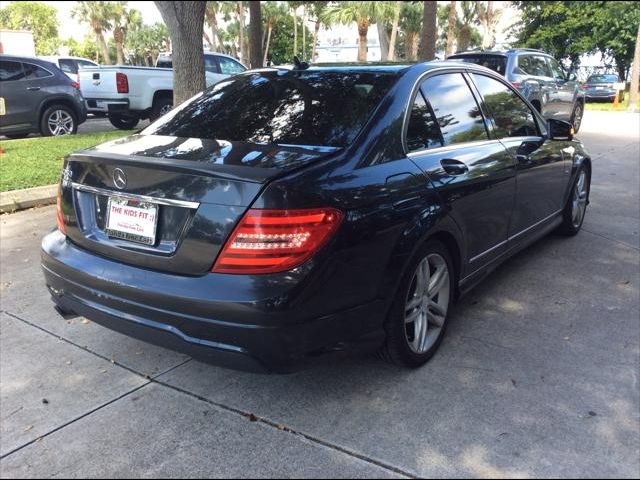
x=119, y=179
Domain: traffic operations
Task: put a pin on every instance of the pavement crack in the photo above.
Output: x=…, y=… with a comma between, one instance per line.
x=611, y=239
x=280, y=427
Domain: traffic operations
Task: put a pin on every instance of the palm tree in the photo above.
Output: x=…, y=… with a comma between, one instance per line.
x=469, y=17
x=394, y=31
x=211, y=16
x=363, y=14
x=451, y=29
x=411, y=26
x=97, y=15
x=272, y=12
x=124, y=21
x=489, y=17
x=318, y=11
x=429, y=30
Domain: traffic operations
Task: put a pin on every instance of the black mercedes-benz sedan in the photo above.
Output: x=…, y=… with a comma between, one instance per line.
x=284, y=214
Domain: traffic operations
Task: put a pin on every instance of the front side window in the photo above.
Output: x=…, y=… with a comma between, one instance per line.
x=556, y=69
x=512, y=117
x=10, y=71
x=422, y=131
x=308, y=107
x=229, y=66
x=457, y=113
x=68, y=66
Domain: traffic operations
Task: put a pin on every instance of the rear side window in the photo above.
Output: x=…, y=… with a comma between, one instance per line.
x=229, y=66
x=512, y=117
x=68, y=65
x=85, y=64
x=422, y=131
x=534, y=65
x=457, y=113
x=210, y=64
x=33, y=72
x=10, y=71
x=281, y=107
x=497, y=63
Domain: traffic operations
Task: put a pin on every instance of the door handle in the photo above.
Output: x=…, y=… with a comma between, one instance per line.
x=33, y=89
x=454, y=167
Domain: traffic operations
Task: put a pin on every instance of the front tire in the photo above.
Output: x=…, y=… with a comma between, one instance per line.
x=576, y=207
x=576, y=116
x=123, y=122
x=58, y=120
x=161, y=106
x=417, y=318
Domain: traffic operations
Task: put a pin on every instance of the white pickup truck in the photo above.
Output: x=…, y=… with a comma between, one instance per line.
x=129, y=94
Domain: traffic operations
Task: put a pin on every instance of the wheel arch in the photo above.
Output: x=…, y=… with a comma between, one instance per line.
x=48, y=102
x=158, y=94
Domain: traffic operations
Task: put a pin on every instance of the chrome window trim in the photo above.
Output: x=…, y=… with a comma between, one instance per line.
x=131, y=196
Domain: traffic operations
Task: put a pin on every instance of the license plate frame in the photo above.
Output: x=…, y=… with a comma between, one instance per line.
x=132, y=228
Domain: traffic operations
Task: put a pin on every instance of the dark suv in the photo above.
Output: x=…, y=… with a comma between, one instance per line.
x=539, y=77
x=37, y=96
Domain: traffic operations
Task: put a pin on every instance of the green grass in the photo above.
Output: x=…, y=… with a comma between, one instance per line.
x=32, y=162
x=606, y=106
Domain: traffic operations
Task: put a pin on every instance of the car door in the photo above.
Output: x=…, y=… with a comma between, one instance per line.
x=475, y=176
x=565, y=90
x=20, y=102
x=541, y=174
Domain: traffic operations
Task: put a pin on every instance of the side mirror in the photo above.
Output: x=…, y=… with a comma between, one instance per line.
x=560, y=130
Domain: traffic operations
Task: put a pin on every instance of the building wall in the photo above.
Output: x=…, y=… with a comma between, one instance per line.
x=17, y=42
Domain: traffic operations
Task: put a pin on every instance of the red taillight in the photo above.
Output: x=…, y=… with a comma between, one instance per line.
x=75, y=85
x=586, y=86
x=122, y=83
x=516, y=84
x=60, y=215
x=269, y=241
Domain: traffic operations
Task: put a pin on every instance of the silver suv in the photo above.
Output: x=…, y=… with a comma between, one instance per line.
x=539, y=77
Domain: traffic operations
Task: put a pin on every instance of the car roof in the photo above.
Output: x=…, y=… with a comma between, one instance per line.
x=25, y=58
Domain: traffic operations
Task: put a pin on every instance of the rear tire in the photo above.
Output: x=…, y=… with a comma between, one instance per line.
x=417, y=319
x=161, y=106
x=576, y=207
x=58, y=120
x=123, y=122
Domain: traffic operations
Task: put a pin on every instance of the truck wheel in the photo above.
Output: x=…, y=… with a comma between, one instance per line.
x=123, y=122
x=161, y=106
x=58, y=120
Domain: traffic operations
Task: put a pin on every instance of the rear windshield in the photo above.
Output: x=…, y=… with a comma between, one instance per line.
x=602, y=79
x=497, y=63
x=281, y=107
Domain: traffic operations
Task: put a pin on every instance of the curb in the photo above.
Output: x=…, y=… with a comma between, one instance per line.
x=15, y=200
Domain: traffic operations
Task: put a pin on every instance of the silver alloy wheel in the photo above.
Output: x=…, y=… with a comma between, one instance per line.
x=579, y=201
x=165, y=109
x=60, y=123
x=427, y=302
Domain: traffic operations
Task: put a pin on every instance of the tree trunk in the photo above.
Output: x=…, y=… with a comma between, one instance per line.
x=635, y=77
x=295, y=33
x=451, y=29
x=429, y=31
x=208, y=40
x=383, y=40
x=410, y=41
x=266, y=48
x=102, y=45
x=394, y=32
x=234, y=49
x=118, y=38
x=465, y=38
x=255, y=29
x=213, y=22
x=185, y=21
x=243, y=50
x=315, y=40
x=304, y=33
x=363, y=29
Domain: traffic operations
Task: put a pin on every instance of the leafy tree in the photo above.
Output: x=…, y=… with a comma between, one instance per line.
x=272, y=13
x=474, y=38
x=98, y=16
x=363, y=14
x=281, y=45
x=37, y=17
x=146, y=43
x=469, y=18
x=216, y=43
x=124, y=20
x=410, y=27
x=86, y=49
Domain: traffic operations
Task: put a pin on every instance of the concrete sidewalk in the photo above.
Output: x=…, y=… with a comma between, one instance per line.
x=538, y=375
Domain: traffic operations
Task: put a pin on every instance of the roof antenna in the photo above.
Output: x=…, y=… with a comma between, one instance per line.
x=298, y=65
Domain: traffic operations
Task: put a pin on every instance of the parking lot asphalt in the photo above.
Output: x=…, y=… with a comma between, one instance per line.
x=538, y=375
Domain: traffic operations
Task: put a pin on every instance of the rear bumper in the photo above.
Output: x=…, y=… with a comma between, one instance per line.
x=106, y=105
x=598, y=94
x=254, y=333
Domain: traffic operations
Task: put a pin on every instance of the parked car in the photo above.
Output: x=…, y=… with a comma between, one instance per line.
x=286, y=214
x=598, y=87
x=38, y=97
x=213, y=62
x=129, y=94
x=539, y=77
x=70, y=65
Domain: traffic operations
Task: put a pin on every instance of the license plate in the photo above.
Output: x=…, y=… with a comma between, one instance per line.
x=99, y=104
x=132, y=220
x=600, y=88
